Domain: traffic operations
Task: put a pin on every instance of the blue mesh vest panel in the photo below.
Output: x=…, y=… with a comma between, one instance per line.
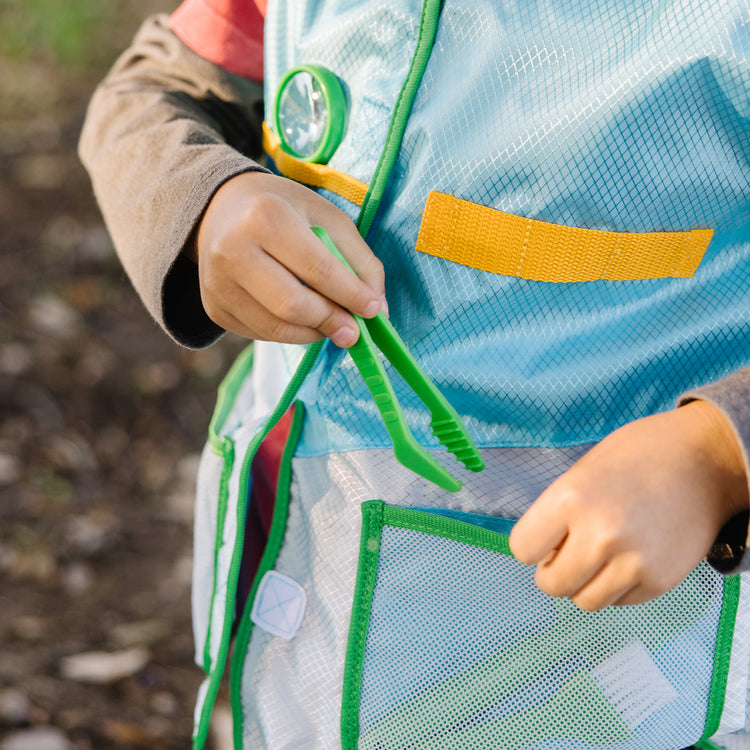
x=626, y=117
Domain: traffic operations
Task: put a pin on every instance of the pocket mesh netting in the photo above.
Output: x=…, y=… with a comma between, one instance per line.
x=453, y=646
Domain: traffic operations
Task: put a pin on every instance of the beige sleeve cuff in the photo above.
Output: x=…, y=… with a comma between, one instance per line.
x=731, y=396
x=164, y=130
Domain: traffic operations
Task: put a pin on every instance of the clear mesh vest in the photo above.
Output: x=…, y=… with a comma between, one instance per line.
x=560, y=195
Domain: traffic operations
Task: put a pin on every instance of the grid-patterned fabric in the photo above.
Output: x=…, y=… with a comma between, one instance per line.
x=291, y=691
x=368, y=45
x=449, y=594
x=624, y=117
x=627, y=117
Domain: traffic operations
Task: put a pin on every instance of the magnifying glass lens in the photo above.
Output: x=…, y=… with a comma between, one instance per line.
x=303, y=114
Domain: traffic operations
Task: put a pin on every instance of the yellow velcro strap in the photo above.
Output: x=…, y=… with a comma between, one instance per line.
x=317, y=175
x=502, y=243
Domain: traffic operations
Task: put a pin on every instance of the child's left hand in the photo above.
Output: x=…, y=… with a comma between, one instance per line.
x=638, y=512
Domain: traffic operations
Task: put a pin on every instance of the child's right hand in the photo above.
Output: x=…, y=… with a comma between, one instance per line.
x=265, y=275
x=639, y=511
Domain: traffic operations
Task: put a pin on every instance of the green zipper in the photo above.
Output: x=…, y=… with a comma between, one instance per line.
x=428, y=24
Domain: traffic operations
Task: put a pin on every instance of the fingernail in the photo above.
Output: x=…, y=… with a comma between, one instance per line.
x=372, y=309
x=384, y=306
x=345, y=337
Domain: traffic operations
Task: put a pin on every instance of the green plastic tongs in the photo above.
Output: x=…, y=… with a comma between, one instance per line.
x=378, y=334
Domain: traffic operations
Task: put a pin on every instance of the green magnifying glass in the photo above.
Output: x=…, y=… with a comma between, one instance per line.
x=310, y=113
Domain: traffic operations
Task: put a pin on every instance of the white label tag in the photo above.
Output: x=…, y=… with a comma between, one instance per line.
x=279, y=605
x=633, y=683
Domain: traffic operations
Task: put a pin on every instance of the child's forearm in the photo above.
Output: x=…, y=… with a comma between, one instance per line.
x=163, y=132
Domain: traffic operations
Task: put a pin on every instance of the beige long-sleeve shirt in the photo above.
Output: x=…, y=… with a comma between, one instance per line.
x=163, y=132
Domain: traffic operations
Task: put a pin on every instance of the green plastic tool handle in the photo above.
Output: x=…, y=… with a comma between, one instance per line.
x=367, y=359
x=405, y=447
x=445, y=422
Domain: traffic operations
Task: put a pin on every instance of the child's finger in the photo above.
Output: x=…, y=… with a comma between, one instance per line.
x=359, y=255
x=539, y=531
x=610, y=585
x=567, y=572
x=638, y=595
x=288, y=300
x=243, y=315
x=288, y=238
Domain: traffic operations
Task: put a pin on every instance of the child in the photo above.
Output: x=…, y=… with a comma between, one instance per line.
x=555, y=200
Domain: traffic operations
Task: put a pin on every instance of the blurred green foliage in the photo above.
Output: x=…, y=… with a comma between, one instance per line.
x=66, y=32
x=71, y=33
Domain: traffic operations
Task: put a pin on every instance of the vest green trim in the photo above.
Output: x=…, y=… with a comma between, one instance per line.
x=227, y=393
x=367, y=569
x=446, y=528
x=400, y=726
x=201, y=731
x=221, y=512
x=375, y=515
x=223, y=447
x=724, y=638
x=268, y=560
x=427, y=29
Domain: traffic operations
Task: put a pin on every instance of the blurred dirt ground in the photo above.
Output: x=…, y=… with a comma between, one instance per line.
x=102, y=418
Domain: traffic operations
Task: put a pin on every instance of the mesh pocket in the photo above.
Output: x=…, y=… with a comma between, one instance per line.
x=453, y=646
x=211, y=499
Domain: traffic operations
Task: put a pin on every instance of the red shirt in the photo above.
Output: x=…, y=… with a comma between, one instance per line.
x=226, y=32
